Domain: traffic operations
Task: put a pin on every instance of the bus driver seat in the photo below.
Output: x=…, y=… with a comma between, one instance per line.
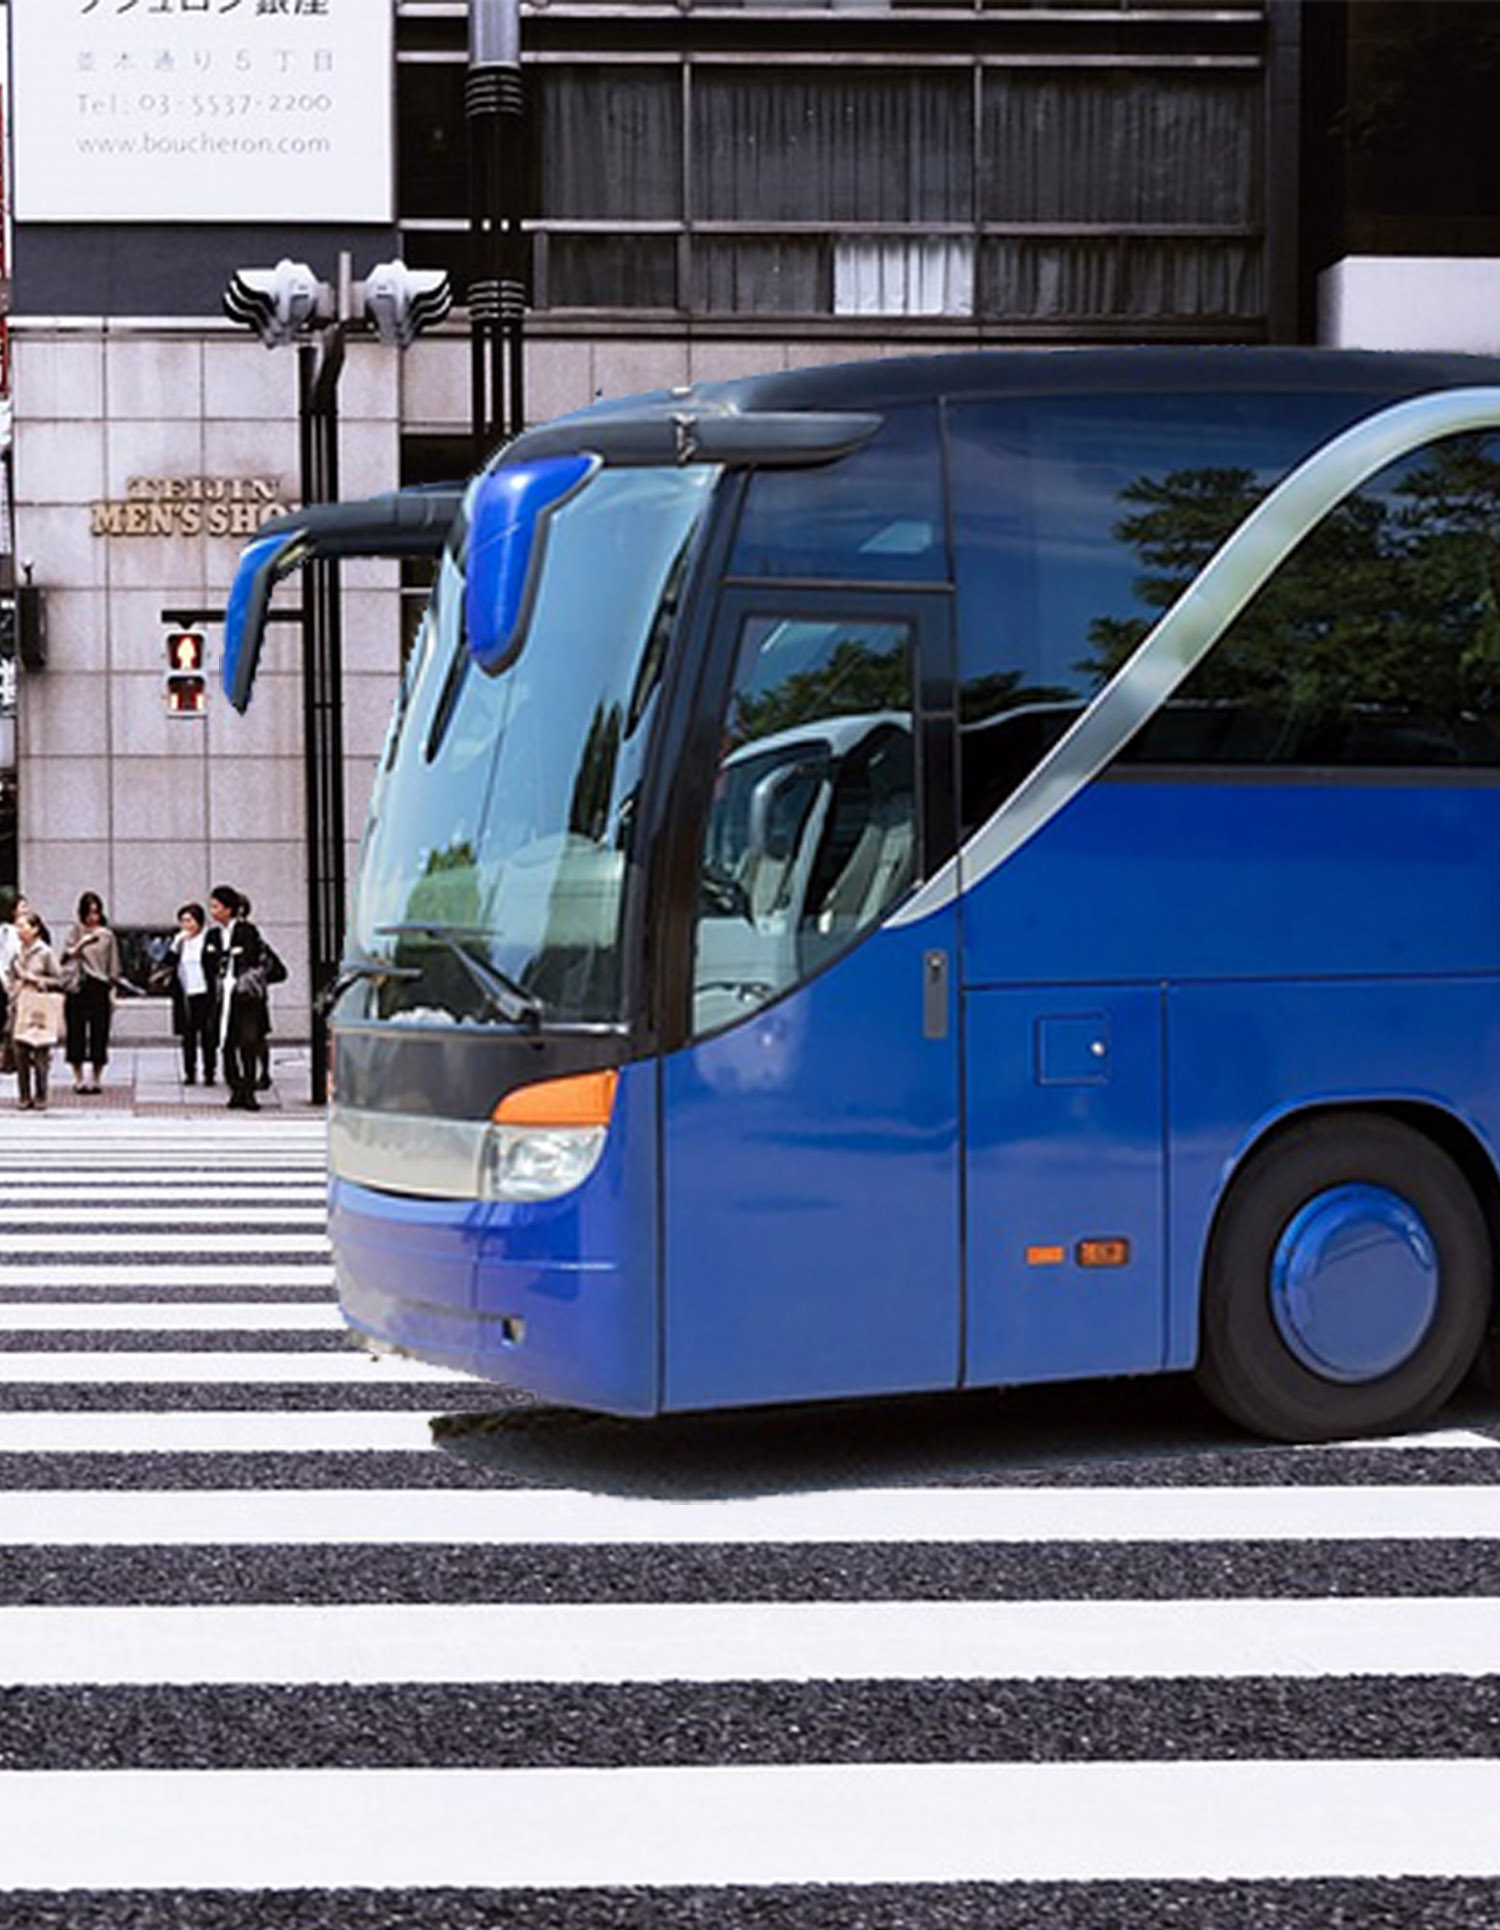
x=876, y=786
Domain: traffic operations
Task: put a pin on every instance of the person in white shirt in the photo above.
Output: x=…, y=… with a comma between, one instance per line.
x=10, y=938
x=192, y=997
x=10, y=949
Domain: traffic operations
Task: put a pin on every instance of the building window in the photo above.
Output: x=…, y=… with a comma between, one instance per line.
x=1027, y=190
x=611, y=143
x=903, y=277
x=1148, y=148
x=1091, y=277
x=786, y=145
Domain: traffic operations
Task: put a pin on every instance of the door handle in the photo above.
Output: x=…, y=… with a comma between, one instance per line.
x=934, y=995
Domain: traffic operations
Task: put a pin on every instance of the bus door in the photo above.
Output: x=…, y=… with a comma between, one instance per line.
x=810, y=1130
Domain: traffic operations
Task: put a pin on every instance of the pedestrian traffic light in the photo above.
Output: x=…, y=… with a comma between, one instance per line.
x=186, y=682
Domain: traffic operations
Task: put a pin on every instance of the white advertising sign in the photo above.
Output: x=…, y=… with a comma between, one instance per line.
x=202, y=110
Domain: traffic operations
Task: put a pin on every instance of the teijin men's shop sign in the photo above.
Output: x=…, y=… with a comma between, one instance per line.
x=202, y=110
x=190, y=506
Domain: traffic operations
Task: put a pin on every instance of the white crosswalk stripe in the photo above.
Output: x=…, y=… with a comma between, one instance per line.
x=260, y=1635
x=109, y=1317
x=17, y=1220
x=63, y=1277
x=165, y=1317
x=749, y=1642
x=218, y=1431
x=569, y=1829
x=1156, y=1517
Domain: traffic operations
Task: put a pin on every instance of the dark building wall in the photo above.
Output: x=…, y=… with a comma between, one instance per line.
x=1413, y=127
x=115, y=269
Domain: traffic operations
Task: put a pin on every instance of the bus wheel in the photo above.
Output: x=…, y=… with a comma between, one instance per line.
x=1348, y=1283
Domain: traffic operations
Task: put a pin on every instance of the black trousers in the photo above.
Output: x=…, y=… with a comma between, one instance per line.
x=199, y=1036
x=87, y=1014
x=243, y=1038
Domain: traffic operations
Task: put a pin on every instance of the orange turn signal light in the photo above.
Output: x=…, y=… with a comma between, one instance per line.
x=1103, y=1253
x=585, y=1099
x=1046, y=1256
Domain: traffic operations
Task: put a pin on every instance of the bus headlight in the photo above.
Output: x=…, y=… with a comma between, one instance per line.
x=545, y=1140
x=538, y=1162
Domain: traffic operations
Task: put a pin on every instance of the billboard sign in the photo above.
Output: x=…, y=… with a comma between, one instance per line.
x=202, y=110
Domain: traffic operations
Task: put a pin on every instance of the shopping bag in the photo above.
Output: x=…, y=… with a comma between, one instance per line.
x=39, y=1016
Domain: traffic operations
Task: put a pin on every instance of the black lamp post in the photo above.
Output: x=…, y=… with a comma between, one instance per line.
x=288, y=304
x=494, y=105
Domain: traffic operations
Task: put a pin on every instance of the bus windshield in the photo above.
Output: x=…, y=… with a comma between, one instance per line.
x=493, y=872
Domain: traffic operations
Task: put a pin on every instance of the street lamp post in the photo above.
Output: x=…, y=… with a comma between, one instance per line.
x=319, y=366
x=494, y=105
x=288, y=304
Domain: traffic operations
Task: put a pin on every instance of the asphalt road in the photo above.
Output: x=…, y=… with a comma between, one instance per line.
x=289, y=1637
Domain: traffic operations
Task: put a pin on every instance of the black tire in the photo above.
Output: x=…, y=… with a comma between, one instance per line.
x=1250, y=1369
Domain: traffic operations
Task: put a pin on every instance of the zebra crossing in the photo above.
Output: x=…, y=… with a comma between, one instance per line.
x=276, y=1652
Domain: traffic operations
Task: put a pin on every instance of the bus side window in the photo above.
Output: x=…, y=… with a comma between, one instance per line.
x=1376, y=645
x=812, y=834
x=1078, y=519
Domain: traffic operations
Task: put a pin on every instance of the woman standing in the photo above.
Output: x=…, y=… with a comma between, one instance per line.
x=11, y=907
x=35, y=966
x=91, y=970
x=192, y=996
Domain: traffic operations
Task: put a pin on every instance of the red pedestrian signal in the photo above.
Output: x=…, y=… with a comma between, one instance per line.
x=186, y=684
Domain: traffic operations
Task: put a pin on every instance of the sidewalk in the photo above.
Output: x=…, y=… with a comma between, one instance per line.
x=147, y=1080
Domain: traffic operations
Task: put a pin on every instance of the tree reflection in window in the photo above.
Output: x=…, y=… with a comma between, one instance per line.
x=1377, y=642
x=812, y=831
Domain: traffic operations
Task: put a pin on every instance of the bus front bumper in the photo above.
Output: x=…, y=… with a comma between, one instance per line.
x=557, y=1298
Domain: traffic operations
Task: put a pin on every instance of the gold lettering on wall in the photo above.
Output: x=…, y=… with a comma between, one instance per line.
x=190, y=506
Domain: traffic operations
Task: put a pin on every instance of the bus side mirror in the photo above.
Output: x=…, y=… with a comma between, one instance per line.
x=407, y=522
x=262, y=565
x=508, y=517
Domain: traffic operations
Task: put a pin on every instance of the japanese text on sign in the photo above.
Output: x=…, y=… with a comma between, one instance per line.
x=202, y=110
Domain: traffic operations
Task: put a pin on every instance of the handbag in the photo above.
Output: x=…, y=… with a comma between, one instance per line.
x=39, y=1016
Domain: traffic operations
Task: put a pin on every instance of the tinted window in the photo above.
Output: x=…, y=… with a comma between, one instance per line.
x=876, y=516
x=1077, y=520
x=812, y=831
x=1377, y=642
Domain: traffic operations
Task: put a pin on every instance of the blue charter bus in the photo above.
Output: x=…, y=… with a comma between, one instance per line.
x=941, y=873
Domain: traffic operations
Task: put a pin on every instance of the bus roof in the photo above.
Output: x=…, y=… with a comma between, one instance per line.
x=815, y=414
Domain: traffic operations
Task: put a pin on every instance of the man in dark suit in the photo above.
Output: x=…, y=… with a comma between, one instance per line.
x=234, y=961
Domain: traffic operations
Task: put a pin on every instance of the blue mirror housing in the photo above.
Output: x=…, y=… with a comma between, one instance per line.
x=508, y=516
x=262, y=565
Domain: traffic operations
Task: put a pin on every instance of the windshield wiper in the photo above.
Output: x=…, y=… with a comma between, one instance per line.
x=512, y=1001
x=352, y=970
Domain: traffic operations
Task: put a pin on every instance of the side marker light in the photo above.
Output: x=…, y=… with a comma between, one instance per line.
x=1102, y=1253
